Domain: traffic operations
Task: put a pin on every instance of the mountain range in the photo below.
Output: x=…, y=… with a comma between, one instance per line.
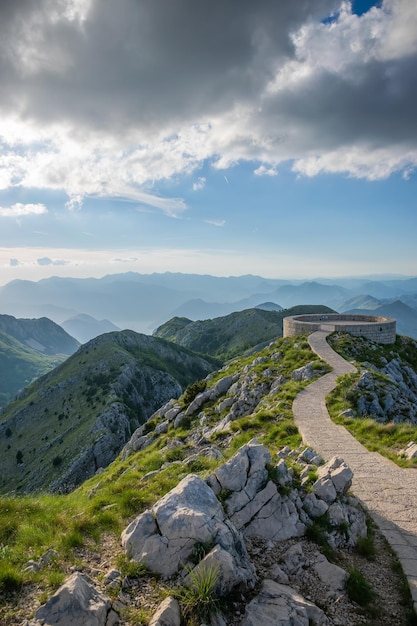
x=142, y=302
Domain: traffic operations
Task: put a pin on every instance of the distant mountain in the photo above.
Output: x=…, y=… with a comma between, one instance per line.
x=84, y=327
x=144, y=301
x=75, y=419
x=269, y=306
x=365, y=302
x=230, y=336
x=311, y=293
x=42, y=334
x=406, y=316
x=20, y=365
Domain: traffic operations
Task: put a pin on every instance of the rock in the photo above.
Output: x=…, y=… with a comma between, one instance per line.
x=349, y=523
x=410, y=450
x=294, y=560
x=164, y=538
x=279, y=605
x=314, y=507
x=245, y=471
x=167, y=614
x=324, y=489
x=76, y=602
x=333, y=576
x=335, y=479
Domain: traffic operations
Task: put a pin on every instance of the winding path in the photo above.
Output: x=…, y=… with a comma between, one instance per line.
x=388, y=492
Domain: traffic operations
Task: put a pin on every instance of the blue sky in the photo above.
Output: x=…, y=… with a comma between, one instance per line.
x=197, y=137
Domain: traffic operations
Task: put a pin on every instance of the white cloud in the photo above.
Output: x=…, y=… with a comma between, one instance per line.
x=82, y=113
x=48, y=261
x=265, y=171
x=216, y=222
x=200, y=183
x=21, y=210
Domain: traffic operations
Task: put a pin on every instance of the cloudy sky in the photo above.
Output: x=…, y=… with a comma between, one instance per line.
x=208, y=136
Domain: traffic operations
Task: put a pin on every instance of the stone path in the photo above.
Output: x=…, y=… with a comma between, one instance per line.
x=388, y=492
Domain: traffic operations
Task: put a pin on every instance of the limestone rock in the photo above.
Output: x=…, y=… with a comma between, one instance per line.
x=335, y=479
x=333, y=576
x=279, y=605
x=410, y=450
x=76, y=602
x=167, y=614
x=164, y=538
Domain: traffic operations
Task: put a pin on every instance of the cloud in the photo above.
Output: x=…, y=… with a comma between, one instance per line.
x=105, y=99
x=131, y=259
x=48, y=261
x=200, y=183
x=265, y=171
x=21, y=210
x=216, y=222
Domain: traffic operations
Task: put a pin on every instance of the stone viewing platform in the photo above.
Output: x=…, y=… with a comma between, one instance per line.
x=373, y=327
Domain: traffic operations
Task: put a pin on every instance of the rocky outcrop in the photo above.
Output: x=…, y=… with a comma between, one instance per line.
x=165, y=537
x=76, y=602
x=279, y=604
x=249, y=498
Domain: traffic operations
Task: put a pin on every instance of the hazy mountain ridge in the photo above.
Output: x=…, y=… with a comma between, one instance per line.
x=77, y=418
x=84, y=327
x=145, y=301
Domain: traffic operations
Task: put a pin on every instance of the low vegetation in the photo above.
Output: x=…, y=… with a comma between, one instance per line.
x=388, y=437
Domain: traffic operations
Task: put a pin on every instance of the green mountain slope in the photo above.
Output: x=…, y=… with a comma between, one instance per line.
x=230, y=336
x=20, y=365
x=41, y=334
x=77, y=418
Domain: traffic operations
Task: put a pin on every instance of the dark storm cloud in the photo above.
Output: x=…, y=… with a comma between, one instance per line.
x=135, y=63
x=272, y=80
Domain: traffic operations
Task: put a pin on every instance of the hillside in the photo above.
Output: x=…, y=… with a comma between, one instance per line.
x=20, y=365
x=77, y=418
x=229, y=336
x=206, y=437
x=41, y=334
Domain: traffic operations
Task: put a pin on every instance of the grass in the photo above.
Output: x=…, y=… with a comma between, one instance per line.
x=198, y=598
x=358, y=589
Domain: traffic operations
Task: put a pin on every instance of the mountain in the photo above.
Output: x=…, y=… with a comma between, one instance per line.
x=311, y=292
x=229, y=336
x=20, y=365
x=75, y=419
x=269, y=306
x=29, y=348
x=144, y=301
x=406, y=316
x=364, y=302
x=42, y=334
x=84, y=327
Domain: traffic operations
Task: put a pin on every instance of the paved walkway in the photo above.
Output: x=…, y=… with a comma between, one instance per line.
x=388, y=492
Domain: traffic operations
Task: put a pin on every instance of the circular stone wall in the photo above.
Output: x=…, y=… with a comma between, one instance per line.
x=375, y=328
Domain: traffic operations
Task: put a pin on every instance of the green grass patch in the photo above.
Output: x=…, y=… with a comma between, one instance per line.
x=358, y=588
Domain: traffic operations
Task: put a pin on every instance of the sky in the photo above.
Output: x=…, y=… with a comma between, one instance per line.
x=222, y=137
